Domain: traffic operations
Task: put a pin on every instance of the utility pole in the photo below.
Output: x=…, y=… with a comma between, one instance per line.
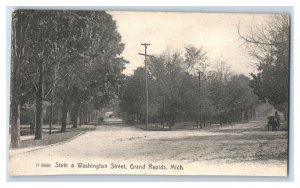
x=146, y=80
x=51, y=104
x=200, y=99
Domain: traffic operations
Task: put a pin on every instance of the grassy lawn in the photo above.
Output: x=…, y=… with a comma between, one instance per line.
x=55, y=137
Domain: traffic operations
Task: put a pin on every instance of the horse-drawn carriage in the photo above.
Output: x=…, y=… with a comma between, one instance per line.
x=273, y=122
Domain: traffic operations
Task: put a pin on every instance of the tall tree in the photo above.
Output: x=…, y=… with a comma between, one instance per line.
x=270, y=46
x=20, y=24
x=172, y=73
x=63, y=63
x=217, y=88
x=174, y=93
x=95, y=78
x=133, y=96
x=48, y=48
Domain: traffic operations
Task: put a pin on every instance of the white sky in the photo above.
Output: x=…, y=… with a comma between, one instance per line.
x=217, y=33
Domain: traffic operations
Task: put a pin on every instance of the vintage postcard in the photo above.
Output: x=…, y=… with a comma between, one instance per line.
x=149, y=93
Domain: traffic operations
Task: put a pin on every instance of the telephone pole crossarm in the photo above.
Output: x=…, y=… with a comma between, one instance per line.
x=146, y=55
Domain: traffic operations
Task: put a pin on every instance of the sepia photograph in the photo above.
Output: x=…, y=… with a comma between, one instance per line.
x=149, y=93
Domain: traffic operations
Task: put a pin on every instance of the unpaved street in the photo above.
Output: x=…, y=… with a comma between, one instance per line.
x=236, y=149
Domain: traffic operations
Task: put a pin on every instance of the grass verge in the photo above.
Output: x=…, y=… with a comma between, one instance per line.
x=55, y=137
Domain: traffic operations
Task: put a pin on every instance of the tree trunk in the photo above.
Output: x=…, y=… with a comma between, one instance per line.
x=221, y=120
x=96, y=116
x=39, y=103
x=51, y=116
x=172, y=122
x=64, y=114
x=15, y=104
x=242, y=112
x=170, y=125
x=89, y=117
x=52, y=98
x=15, y=126
x=80, y=118
x=74, y=114
x=86, y=117
x=18, y=45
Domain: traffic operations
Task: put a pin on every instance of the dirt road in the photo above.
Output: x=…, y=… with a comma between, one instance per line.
x=242, y=149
